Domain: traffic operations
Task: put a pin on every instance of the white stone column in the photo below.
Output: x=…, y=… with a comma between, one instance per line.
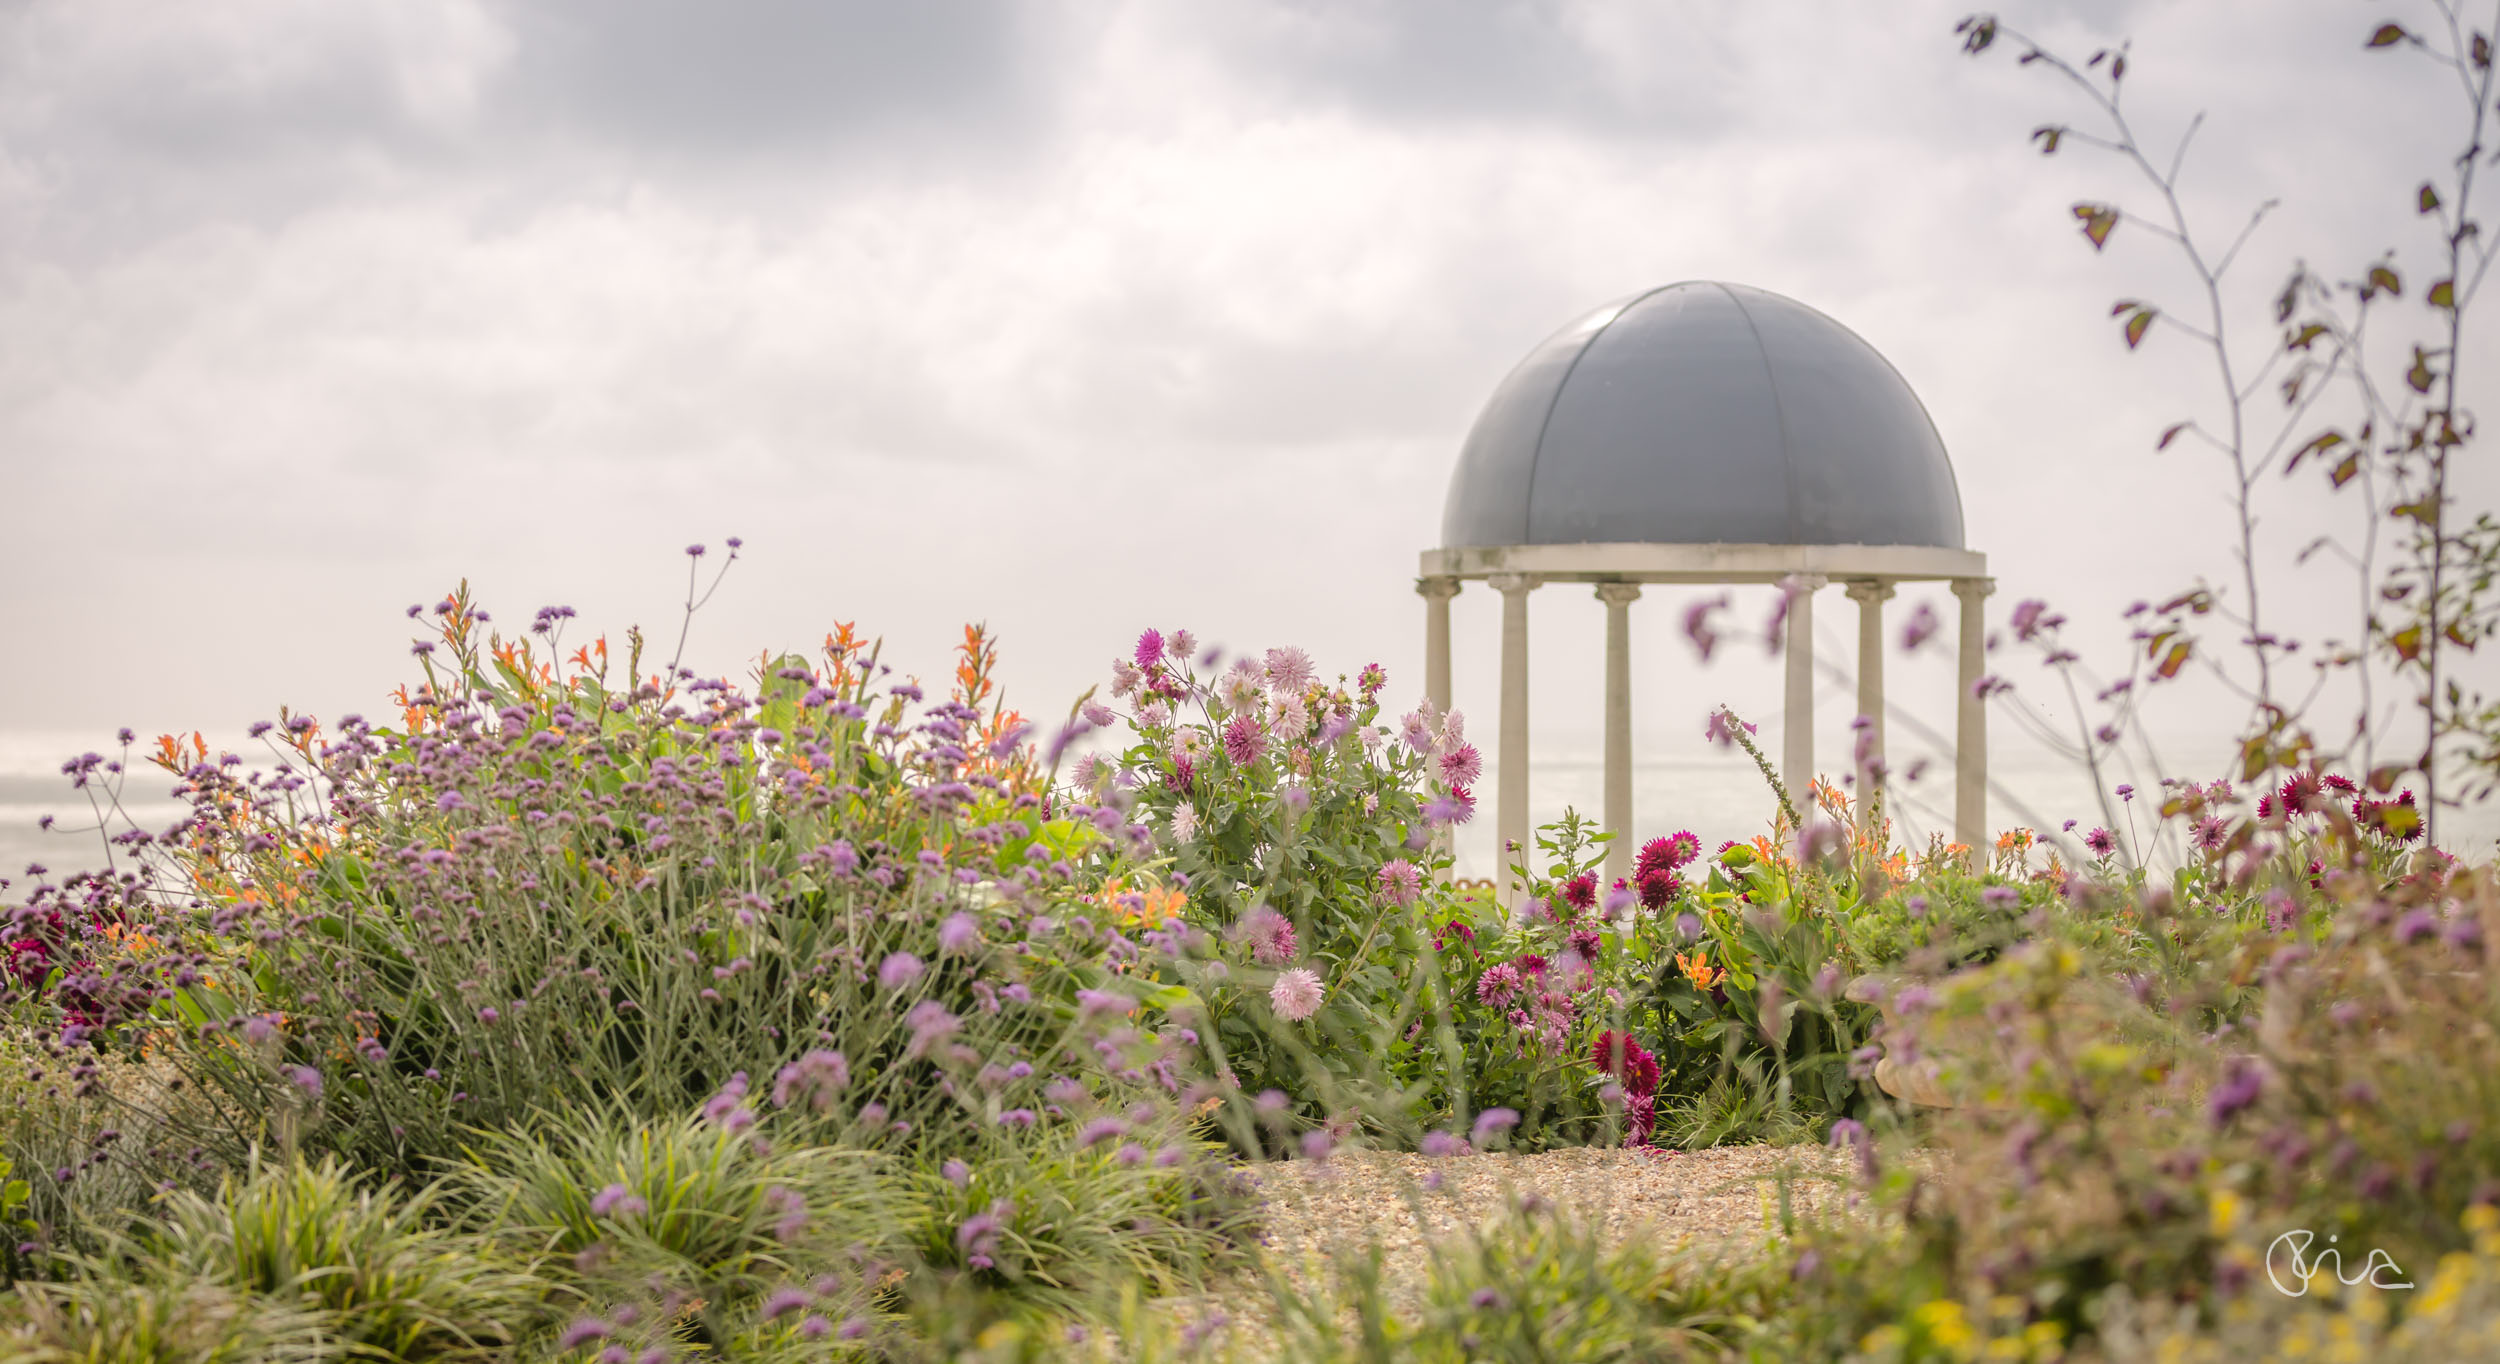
x=1619, y=598
x=1436, y=593
x=1797, y=712
x=1511, y=802
x=1970, y=729
x=1870, y=594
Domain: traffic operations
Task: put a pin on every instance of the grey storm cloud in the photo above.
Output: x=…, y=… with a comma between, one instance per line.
x=777, y=79
x=124, y=122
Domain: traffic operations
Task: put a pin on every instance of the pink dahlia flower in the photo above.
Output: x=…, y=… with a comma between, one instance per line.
x=1245, y=742
x=1400, y=882
x=1296, y=994
x=1288, y=669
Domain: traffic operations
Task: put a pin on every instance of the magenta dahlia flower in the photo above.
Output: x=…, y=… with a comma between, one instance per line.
x=1498, y=985
x=1245, y=741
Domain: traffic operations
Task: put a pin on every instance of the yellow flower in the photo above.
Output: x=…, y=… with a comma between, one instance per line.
x=2226, y=1212
x=1943, y=1322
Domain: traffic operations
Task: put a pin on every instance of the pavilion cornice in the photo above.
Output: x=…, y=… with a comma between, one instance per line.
x=1670, y=563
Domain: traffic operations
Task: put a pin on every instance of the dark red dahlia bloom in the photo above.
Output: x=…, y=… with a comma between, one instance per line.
x=1623, y=1057
x=1667, y=853
x=1580, y=892
x=1658, y=887
x=1530, y=965
x=1587, y=942
x=1604, y=1053
x=30, y=960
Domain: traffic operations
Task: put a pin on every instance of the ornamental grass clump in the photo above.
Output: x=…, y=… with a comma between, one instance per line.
x=291, y=1259
x=684, y=1225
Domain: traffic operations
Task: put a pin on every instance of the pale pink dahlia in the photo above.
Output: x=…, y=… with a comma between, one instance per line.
x=1270, y=936
x=1400, y=882
x=1288, y=669
x=1296, y=994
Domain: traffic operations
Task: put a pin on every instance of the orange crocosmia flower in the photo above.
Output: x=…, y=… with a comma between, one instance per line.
x=1697, y=968
x=128, y=938
x=1166, y=902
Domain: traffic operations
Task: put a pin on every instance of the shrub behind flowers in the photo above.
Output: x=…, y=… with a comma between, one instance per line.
x=1301, y=830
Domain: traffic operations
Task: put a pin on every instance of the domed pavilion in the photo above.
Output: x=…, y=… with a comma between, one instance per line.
x=1706, y=433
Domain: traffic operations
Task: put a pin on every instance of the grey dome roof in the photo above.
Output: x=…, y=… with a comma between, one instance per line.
x=1703, y=413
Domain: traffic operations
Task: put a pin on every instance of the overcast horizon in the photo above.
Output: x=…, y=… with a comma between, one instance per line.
x=1076, y=318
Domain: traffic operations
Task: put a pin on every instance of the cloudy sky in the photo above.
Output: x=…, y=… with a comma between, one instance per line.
x=1070, y=315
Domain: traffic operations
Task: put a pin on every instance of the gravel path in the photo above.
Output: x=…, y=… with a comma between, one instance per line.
x=1316, y=1212
x=1715, y=1195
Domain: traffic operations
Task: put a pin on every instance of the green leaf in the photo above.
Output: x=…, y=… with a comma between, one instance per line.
x=2381, y=279
x=2430, y=197
x=2443, y=294
x=2048, y=135
x=2388, y=35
